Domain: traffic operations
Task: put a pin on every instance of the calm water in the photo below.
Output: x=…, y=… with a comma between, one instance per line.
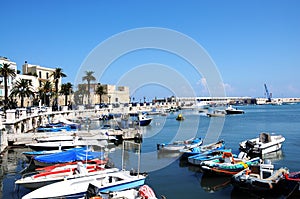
x=172, y=177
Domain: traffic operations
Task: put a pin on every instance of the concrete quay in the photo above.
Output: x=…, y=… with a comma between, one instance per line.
x=18, y=127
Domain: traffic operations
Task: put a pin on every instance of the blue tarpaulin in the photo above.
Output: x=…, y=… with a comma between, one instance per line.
x=71, y=155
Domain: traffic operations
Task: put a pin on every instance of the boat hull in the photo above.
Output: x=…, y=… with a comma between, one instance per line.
x=78, y=187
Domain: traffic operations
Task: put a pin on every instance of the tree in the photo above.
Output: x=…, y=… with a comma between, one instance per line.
x=45, y=92
x=79, y=94
x=22, y=88
x=66, y=89
x=57, y=74
x=100, y=91
x=5, y=72
x=89, y=77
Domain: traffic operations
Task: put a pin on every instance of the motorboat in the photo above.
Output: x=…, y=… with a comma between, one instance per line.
x=216, y=113
x=77, y=187
x=228, y=165
x=198, y=150
x=261, y=177
x=57, y=174
x=144, y=120
x=177, y=146
x=231, y=110
x=262, y=145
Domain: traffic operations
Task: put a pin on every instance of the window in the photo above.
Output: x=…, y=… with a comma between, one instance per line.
x=40, y=74
x=47, y=75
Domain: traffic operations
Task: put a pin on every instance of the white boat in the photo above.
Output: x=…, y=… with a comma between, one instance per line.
x=56, y=145
x=77, y=187
x=64, y=173
x=76, y=142
x=231, y=110
x=177, y=146
x=262, y=145
x=216, y=113
x=144, y=120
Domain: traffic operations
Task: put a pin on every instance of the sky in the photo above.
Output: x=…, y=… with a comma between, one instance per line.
x=251, y=43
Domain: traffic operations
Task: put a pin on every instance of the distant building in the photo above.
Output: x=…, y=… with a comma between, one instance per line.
x=114, y=94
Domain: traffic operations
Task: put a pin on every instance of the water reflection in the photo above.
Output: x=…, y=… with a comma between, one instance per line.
x=277, y=155
x=213, y=183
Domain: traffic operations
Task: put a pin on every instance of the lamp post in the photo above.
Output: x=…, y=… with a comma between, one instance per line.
x=109, y=99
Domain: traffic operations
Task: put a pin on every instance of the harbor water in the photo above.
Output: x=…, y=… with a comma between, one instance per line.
x=172, y=177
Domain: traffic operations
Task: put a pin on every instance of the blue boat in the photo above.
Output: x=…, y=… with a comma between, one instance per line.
x=209, y=155
x=71, y=155
x=201, y=149
x=54, y=128
x=178, y=146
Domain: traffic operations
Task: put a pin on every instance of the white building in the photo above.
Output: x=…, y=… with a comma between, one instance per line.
x=43, y=74
x=10, y=80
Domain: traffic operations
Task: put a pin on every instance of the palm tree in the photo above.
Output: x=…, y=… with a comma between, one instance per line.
x=57, y=74
x=5, y=72
x=22, y=88
x=89, y=77
x=100, y=91
x=45, y=91
x=79, y=94
x=66, y=89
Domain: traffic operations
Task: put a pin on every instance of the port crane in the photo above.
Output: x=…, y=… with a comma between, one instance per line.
x=268, y=95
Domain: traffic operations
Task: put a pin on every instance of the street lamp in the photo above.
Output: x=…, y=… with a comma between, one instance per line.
x=109, y=99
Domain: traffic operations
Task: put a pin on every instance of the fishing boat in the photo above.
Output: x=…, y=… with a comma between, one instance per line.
x=57, y=174
x=262, y=145
x=71, y=155
x=209, y=155
x=77, y=187
x=177, y=146
x=228, y=165
x=219, y=145
x=231, y=110
x=261, y=177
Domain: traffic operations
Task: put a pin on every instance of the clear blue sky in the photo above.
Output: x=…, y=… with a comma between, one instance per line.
x=251, y=42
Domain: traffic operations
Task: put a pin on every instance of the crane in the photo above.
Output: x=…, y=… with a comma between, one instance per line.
x=268, y=95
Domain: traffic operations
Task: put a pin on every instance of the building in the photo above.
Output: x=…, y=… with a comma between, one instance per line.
x=43, y=74
x=114, y=94
x=10, y=80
